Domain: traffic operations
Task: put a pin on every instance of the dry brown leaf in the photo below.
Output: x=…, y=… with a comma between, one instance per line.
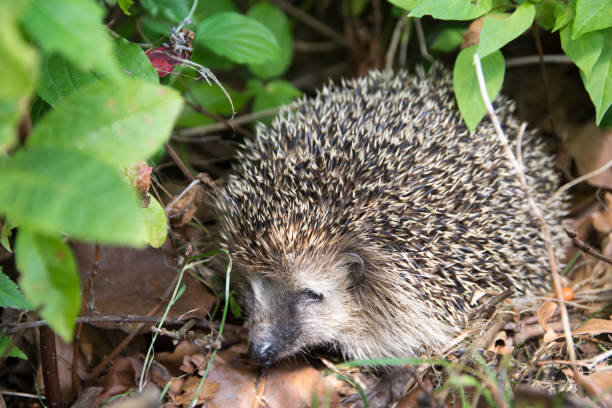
x=591, y=148
x=594, y=327
x=472, y=35
x=132, y=281
x=602, y=378
x=602, y=220
x=181, y=209
x=501, y=345
x=545, y=312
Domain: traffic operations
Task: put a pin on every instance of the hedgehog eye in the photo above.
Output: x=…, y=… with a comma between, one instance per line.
x=311, y=296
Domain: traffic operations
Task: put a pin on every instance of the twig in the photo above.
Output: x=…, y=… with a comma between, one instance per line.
x=77, y=339
x=21, y=394
x=422, y=43
x=217, y=127
x=586, y=248
x=395, y=37
x=304, y=46
x=178, y=162
x=218, y=118
x=549, y=102
x=48, y=356
x=580, y=179
x=536, y=59
x=311, y=21
x=536, y=212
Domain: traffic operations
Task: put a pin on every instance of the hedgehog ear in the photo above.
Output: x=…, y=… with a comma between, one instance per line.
x=355, y=266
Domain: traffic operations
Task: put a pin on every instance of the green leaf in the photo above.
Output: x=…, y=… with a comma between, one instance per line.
x=156, y=223
x=452, y=9
x=7, y=349
x=273, y=18
x=125, y=6
x=584, y=51
x=498, y=32
x=10, y=295
x=73, y=28
x=53, y=189
x=49, y=279
x=209, y=7
x=60, y=78
x=405, y=4
x=564, y=14
x=237, y=37
x=449, y=39
x=273, y=94
x=599, y=83
x=465, y=83
x=591, y=15
x=175, y=10
x=118, y=122
x=5, y=234
x=134, y=62
x=18, y=63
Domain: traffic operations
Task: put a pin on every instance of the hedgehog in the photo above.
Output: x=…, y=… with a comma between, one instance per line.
x=368, y=220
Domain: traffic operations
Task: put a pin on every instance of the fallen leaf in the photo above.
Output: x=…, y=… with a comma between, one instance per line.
x=472, y=34
x=545, y=312
x=594, y=327
x=591, y=148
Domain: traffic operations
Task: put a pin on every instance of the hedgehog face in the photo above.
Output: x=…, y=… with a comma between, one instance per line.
x=286, y=317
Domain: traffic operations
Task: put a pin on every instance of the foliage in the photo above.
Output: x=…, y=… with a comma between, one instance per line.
x=586, y=38
x=96, y=107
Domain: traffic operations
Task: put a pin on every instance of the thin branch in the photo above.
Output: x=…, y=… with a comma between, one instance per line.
x=395, y=39
x=421, y=37
x=549, y=102
x=77, y=339
x=200, y=109
x=586, y=248
x=536, y=212
x=178, y=162
x=580, y=179
x=311, y=22
x=536, y=59
x=217, y=127
x=48, y=356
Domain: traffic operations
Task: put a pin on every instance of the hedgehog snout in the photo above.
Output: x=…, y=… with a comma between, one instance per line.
x=263, y=353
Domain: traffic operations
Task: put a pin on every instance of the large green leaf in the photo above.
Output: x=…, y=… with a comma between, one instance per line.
x=134, y=62
x=497, y=32
x=175, y=10
x=591, y=15
x=465, y=83
x=51, y=189
x=273, y=18
x=119, y=122
x=156, y=222
x=18, y=72
x=60, y=78
x=273, y=94
x=452, y=9
x=237, y=37
x=74, y=28
x=599, y=83
x=584, y=51
x=10, y=295
x=49, y=279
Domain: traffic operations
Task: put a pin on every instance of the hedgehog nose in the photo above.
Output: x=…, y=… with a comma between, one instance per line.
x=263, y=353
